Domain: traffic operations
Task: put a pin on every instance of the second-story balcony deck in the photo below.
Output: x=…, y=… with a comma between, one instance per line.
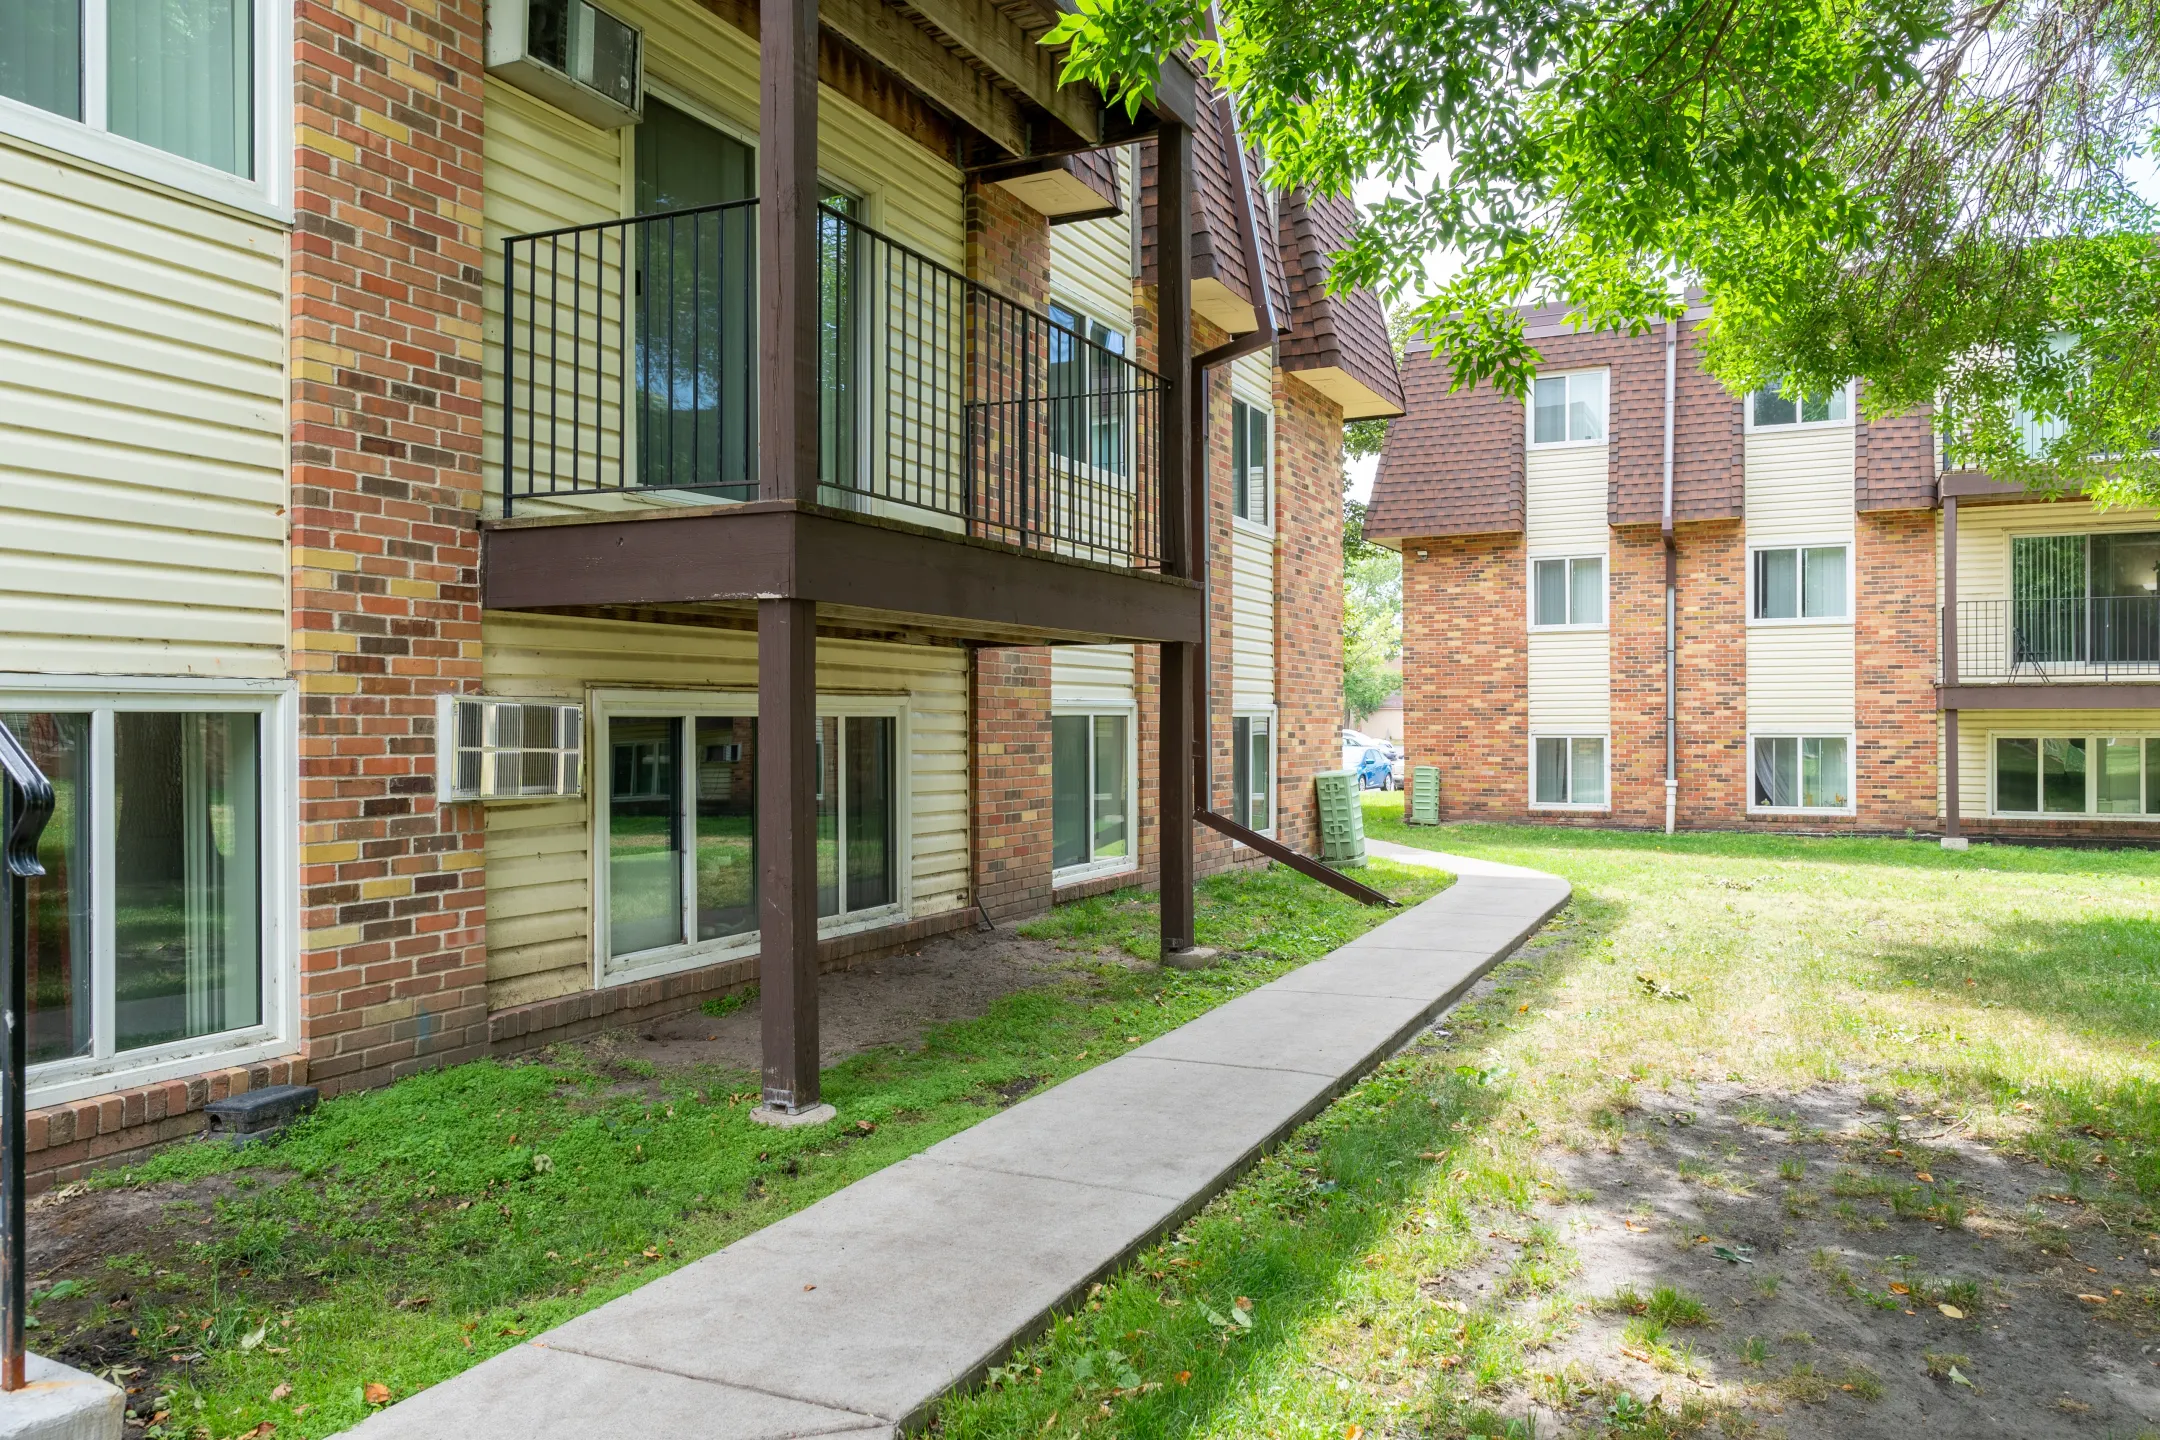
x=2046, y=641
x=981, y=470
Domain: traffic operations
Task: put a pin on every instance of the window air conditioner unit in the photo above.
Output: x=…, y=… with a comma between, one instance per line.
x=571, y=54
x=489, y=749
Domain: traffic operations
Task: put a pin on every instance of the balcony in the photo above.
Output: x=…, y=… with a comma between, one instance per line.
x=947, y=413
x=2092, y=652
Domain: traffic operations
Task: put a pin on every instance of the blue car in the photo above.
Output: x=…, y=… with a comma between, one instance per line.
x=1374, y=772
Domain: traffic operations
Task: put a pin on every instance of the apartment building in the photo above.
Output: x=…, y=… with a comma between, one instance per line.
x=442, y=439
x=1633, y=599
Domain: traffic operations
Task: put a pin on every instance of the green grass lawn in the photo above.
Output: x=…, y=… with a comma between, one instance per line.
x=403, y=1234
x=2011, y=993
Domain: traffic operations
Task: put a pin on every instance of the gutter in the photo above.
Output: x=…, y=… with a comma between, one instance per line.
x=1672, y=588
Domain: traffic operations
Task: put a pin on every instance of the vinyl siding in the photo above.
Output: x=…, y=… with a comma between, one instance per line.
x=1985, y=531
x=1977, y=729
x=1570, y=671
x=545, y=169
x=1091, y=674
x=142, y=429
x=1799, y=489
x=1799, y=485
x=1252, y=618
x=1091, y=263
x=538, y=855
x=1570, y=681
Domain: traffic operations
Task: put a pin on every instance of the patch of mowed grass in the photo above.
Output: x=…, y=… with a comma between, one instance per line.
x=1803, y=961
x=400, y=1235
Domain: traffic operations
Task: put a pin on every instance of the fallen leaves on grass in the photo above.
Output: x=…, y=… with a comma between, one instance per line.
x=375, y=1393
x=1951, y=1312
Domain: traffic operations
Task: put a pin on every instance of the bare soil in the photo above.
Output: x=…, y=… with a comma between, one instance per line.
x=1823, y=1238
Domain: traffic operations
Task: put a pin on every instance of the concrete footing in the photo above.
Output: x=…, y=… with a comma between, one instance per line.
x=1956, y=842
x=1199, y=957
x=792, y=1120
x=61, y=1403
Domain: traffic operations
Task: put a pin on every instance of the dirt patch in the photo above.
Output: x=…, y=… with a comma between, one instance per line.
x=1805, y=1265
x=888, y=1001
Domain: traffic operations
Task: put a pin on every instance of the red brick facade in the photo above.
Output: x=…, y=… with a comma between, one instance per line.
x=1896, y=764
x=386, y=279
x=1308, y=603
x=1466, y=680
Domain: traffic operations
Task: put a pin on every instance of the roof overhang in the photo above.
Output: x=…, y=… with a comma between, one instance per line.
x=1358, y=400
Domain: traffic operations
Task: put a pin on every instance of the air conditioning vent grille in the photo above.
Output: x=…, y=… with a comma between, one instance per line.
x=510, y=749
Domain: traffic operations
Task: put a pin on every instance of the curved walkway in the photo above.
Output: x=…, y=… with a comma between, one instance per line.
x=853, y=1317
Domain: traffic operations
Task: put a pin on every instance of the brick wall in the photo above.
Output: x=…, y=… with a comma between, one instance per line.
x=1712, y=664
x=62, y=1143
x=1466, y=673
x=1308, y=601
x=1635, y=612
x=1896, y=754
x=1012, y=780
x=386, y=362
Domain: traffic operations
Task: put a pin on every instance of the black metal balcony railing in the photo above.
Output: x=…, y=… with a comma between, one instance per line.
x=2098, y=638
x=630, y=365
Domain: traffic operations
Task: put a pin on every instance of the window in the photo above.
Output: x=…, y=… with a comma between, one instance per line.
x=1802, y=772
x=1568, y=409
x=151, y=933
x=1568, y=770
x=1568, y=592
x=2078, y=775
x=680, y=825
x=176, y=90
x=1803, y=582
x=1248, y=462
x=2085, y=598
x=1091, y=800
x=1768, y=409
x=1088, y=401
x=1252, y=771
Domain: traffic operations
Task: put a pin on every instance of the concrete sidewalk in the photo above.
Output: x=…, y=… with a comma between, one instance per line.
x=854, y=1316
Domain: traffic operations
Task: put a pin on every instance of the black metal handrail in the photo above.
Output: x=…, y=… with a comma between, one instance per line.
x=2091, y=638
x=630, y=365
x=26, y=803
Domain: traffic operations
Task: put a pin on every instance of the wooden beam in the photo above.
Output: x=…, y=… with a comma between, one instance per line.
x=2032, y=695
x=989, y=34
x=945, y=79
x=1183, y=551
x=787, y=223
x=787, y=786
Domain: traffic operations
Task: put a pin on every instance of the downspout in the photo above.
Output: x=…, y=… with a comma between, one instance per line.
x=1672, y=588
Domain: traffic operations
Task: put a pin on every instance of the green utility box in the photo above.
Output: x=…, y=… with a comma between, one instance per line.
x=1425, y=795
x=1342, y=818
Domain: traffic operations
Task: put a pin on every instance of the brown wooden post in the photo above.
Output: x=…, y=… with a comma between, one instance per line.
x=787, y=628
x=1181, y=542
x=1950, y=669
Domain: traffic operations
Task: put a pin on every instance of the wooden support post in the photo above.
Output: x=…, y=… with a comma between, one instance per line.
x=787, y=852
x=1183, y=542
x=787, y=628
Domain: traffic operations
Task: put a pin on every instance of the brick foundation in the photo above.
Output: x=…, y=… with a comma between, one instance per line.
x=386, y=361
x=62, y=1143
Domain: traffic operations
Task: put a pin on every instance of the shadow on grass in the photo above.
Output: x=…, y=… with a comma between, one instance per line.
x=1195, y=1326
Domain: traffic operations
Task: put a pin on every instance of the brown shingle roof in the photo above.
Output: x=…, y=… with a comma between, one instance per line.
x=1344, y=332
x=1453, y=464
x=1894, y=462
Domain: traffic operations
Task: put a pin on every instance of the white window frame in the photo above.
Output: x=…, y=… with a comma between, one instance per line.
x=1572, y=558
x=1272, y=715
x=278, y=1033
x=1573, y=807
x=1241, y=396
x=1087, y=469
x=604, y=705
x=2092, y=739
x=1827, y=542
x=1852, y=771
x=268, y=195
x=1116, y=864
x=1846, y=390
x=1530, y=440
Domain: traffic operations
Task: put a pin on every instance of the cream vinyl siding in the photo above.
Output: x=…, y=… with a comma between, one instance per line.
x=545, y=169
x=1977, y=730
x=1985, y=531
x=1252, y=618
x=142, y=429
x=1091, y=263
x=1091, y=674
x=1799, y=485
x=1800, y=676
x=538, y=855
x=1570, y=671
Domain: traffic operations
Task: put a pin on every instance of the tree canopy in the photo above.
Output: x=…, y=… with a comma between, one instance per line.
x=1927, y=195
